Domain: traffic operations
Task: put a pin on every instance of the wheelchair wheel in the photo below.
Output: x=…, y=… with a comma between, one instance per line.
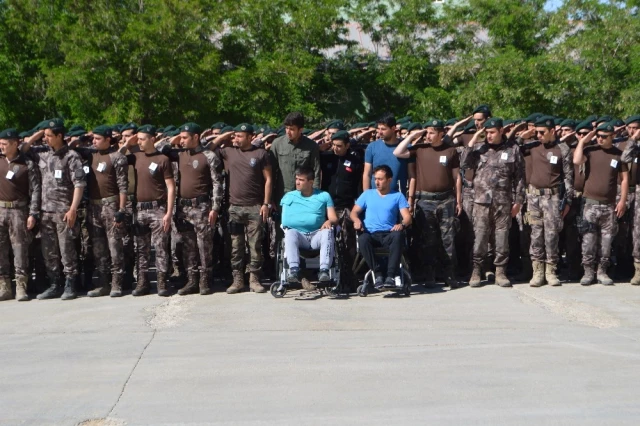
x=276, y=292
x=362, y=290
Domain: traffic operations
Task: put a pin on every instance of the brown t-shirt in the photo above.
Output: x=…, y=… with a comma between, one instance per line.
x=546, y=166
x=16, y=188
x=151, y=172
x=602, y=169
x=102, y=181
x=633, y=167
x=246, y=181
x=435, y=167
x=578, y=173
x=195, y=176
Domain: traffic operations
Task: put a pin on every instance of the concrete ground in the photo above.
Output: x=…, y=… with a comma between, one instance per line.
x=494, y=356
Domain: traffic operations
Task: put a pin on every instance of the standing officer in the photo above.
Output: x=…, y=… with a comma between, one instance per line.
x=438, y=194
x=250, y=204
x=549, y=198
x=499, y=194
x=599, y=225
x=630, y=156
x=198, y=206
x=108, y=184
x=63, y=182
x=129, y=141
x=155, y=196
x=19, y=212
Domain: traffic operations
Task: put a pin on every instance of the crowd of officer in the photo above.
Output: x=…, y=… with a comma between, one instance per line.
x=486, y=199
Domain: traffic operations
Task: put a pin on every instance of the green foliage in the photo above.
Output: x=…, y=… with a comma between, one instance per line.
x=171, y=61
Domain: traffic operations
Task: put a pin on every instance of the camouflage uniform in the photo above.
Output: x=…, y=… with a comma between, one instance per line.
x=148, y=231
x=498, y=184
x=597, y=245
x=61, y=172
x=23, y=175
x=630, y=155
x=251, y=220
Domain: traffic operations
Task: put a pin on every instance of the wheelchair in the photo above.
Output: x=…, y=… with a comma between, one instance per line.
x=368, y=283
x=310, y=260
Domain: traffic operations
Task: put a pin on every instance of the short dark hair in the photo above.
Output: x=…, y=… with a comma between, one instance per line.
x=387, y=119
x=306, y=172
x=294, y=119
x=384, y=168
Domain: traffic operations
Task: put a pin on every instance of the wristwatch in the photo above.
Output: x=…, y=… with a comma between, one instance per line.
x=268, y=205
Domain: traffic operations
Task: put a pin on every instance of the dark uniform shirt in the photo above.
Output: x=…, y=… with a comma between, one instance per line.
x=151, y=172
x=602, y=169
x=341, y=178
x=436, y=167
x=20, y=181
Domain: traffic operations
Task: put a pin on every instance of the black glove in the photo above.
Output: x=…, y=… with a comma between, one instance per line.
x=119, y=216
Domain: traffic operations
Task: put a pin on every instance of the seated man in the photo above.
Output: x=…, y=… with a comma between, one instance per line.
x=304, y=219
x=381, y=228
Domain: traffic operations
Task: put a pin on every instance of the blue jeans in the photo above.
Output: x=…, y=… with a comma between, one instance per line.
x=321, y=239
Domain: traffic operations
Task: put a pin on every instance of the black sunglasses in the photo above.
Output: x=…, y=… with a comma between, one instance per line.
x=541, y=132
x=601, y=136
x=583, y=133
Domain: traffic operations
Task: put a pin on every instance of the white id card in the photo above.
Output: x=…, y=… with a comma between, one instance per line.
x=86, y=170
x=102, y=167
x=443, y=160
x=504, y=156
x=153, y=167
x=553, y=159
x=58, y=174
x=635, y=161
x=347, y=163
x=10, y=175
x=614, y=163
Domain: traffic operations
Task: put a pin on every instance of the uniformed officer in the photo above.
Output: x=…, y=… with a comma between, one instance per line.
x=438, y=195
x=63, y=182
x=630, y=156
x=549, y=197
x=499, y=194
x=599, y=225
x=19, y=211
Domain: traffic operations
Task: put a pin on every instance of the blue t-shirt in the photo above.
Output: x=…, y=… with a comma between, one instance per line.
x=379, y=153
x=305, y=214
x=381, y=213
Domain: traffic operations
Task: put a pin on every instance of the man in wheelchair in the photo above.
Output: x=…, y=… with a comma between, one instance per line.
x=380, y=228
x=307, y=218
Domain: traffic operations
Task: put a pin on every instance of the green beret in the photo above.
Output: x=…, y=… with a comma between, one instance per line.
x=25, y=134
x=545, y=121
x=414, y=126
x=493, y=123
x=342, y=135
x=404, y=126
x=358, y=125
x=591, y=118
x=605, y=127
x=633, y=119
x=336, y=124
x=54, y=123
x=192, y=128
x=568, y=123
x=451, y=122
x=471, y=125
x=41, y=126
x=558, y=120
x=129, y=126
x=435, y=123
x=372, y=124
x=226, y=129
x=307, y=132
x=117, y=127
x=148, y=129
x=103, y=130
x=584, y=125
x=484, y=108
x=76, y=133
x=9, y=134
x=603, y=119
x=280, y=132
x=76, y=127
x=617, y=122
x=169, y=128
x=533, y=117
x=406, y=119
x=244, y=127
x=171, y=133
x=218, y=126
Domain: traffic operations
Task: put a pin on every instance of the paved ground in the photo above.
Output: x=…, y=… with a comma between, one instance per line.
x=568, y=355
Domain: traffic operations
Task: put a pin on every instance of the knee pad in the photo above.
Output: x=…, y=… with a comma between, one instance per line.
x=236, y=228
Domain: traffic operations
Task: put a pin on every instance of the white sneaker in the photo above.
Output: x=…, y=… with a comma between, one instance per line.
x=398, y=281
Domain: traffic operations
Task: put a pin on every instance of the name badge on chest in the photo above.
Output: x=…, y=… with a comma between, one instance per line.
x=347, y=163
x=153, y=167
x=553, y=159
x=10, y=175
x=102, y=167
x=614, y=163
x=443, y=160
x=86, y=170
x=57, y=174
x=504, y=156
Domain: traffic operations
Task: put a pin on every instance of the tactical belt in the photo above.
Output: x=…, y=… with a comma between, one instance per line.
x=14, y=204
x=194, y=202
x=542, y=191
x=433, y=196
x=148, y=205
x=131, y=197
x=596, y=202
x=103, y=201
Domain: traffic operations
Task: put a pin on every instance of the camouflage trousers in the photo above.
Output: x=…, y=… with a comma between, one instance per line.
x=572, y=237
x=546, y=223
x=464, y=238
x=623, y=241
x=148, y=231
x=192, y=222
x=491, y=222
x=14, y=234
x=599, y=228
x=106, y=237
x=246, y=229
x=59, y=244
x=435, y=223
x=636, y=227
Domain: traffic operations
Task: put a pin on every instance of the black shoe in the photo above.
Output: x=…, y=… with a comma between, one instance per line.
x=323, y=276
x=293, y=276
x=390, y=282
x=379, y=282
x=69, y=289
x=54, y=290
